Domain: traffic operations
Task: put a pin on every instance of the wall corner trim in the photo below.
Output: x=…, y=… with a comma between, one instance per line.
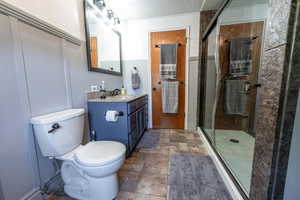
x=12, y=11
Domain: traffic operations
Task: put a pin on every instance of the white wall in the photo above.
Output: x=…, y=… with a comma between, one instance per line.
x=135, y=33
x=135, y=49
x=64, y=14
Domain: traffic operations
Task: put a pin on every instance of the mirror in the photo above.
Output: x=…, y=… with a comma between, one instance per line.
x=103, y=43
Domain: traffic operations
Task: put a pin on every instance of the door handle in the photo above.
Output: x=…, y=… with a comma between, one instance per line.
x=153, y=89
x=257, y=85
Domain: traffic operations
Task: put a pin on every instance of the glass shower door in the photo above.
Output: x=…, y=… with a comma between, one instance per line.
x=239, y=54
x=230, y=84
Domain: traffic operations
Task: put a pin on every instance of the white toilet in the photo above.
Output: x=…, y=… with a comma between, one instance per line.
x=88, y=171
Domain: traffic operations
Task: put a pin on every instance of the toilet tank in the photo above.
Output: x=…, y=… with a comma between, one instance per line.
x=60, y=132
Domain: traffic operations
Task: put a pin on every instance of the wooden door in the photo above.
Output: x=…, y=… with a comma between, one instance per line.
x=160, y=119
x=94, y=51
x=253, y=30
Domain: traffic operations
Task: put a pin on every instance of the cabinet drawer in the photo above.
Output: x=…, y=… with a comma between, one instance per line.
x=131, y=107
x=141, y=102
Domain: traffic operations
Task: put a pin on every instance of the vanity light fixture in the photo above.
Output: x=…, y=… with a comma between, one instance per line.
x=100, y=4
x=107, y=12
x=110, y=14
x=116, y=20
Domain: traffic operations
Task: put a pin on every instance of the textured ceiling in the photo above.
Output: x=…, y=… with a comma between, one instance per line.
x=136, y=9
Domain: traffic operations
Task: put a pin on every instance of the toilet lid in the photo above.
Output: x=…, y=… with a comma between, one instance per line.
x=100, y=153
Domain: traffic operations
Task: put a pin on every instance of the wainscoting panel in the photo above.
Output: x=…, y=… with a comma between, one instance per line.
x=17, y=170
x=44, y=70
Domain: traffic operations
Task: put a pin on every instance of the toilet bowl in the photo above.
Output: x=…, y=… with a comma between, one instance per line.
x=94, y=166
x=89, y=171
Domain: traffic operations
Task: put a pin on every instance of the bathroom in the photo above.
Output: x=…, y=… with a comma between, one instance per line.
x=83, y=93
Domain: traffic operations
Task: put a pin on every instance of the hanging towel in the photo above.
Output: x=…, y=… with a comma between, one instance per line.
x=135, y=79
x=240, y=57
x=235, y=97
x=168, y=61
x=170, y=96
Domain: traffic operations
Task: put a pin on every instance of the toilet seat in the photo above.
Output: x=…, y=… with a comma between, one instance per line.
x=99, y=153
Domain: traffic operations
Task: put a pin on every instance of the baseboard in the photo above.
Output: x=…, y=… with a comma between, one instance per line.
x=34, y=194
x=226, y=178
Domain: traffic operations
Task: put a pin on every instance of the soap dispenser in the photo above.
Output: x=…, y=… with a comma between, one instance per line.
x=102, y=90
x=123, y=90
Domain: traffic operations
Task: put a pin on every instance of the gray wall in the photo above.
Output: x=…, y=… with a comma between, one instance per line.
x=293, y=176
x=17, y=168
x=40, y=73
x=1, y=193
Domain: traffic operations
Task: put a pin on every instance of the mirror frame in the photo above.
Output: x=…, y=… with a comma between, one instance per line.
x=87, y=35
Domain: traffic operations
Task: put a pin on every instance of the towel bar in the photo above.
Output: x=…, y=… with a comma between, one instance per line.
x=158, y=45
x=253, y=38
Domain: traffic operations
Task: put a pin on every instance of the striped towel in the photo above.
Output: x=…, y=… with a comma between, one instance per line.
x=240, y=57
x=168, y=61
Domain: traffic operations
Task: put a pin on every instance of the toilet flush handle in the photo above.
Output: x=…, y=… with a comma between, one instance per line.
x=54, y=127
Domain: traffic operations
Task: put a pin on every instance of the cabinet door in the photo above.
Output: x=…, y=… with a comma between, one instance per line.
x=134, y=138
x=141, y=120
x=132, y=122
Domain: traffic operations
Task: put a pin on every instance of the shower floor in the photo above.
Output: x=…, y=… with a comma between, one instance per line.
x=238, y=156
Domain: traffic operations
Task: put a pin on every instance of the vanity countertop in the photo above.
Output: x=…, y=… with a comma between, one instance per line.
x=119, y=98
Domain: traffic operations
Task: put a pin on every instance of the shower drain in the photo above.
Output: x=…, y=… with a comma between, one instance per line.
x=234, y=140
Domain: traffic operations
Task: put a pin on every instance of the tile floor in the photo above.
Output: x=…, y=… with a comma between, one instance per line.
x=144, y=175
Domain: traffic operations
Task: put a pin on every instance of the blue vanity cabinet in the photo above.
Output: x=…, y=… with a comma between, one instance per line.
x=129, y=127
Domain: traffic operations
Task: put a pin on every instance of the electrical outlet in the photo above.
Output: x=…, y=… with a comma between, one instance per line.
x=94, y=88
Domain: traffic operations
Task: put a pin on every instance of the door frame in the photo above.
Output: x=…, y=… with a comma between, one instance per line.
x=149, y=71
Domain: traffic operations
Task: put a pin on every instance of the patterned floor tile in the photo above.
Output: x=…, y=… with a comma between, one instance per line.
x=135, y=196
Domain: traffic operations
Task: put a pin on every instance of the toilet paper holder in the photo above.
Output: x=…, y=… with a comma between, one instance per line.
x=120, y=113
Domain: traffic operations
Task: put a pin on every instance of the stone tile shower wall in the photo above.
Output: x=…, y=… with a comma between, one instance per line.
x=280, y=78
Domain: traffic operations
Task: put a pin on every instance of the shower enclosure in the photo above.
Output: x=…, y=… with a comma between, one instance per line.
x=230, y=85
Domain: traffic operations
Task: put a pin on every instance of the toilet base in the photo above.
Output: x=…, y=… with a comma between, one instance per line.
x=104, y=188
